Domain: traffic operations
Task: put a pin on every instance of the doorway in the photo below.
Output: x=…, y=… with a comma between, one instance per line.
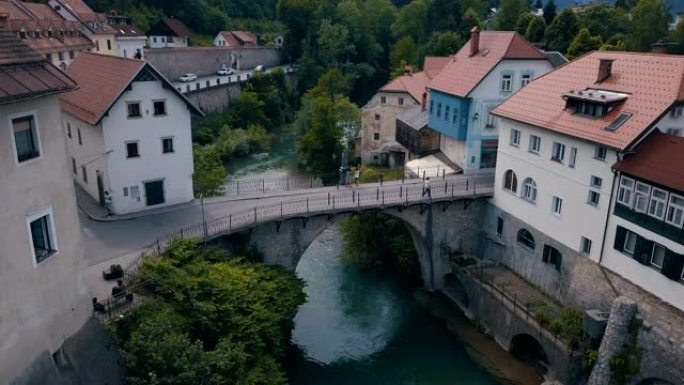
x=100, y=188
x=154, y=192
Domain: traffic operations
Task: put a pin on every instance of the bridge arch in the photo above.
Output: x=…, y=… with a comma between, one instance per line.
x=528, y=349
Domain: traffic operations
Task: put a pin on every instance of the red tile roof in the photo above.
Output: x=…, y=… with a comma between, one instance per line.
x=102, y=79
x=464, y=72
x=77, y=6
x=169, y=24
x=658, y=159
x=239, y=38
x=432, y=65
x=653, y=81
x=415, y=84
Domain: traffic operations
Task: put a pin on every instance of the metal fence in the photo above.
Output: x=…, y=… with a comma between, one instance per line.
x=350, y=199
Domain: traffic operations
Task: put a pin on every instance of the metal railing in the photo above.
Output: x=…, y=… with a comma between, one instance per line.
x=348, y=199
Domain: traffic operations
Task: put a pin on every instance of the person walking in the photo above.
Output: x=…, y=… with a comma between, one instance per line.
x=108, y=202
x=348, y=177
x=426, y=188
x=357, y=174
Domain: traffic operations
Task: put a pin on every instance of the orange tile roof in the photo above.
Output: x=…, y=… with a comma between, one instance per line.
x=657, y=159
x=415, y=84
x=653, y=81
x=432, y=65
x=464, y=72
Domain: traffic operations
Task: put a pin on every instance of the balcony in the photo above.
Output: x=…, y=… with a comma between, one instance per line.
x=648, y=222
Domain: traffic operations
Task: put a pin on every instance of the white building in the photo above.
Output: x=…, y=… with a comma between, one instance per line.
x=235, y=39
x=130, y=40
x=44, y=299
x=128, y=132
x=559, y=138
x=168, y=33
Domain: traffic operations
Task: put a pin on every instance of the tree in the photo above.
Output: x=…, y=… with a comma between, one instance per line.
x=583, y=43
x=247, y=109
x=649, y=24
x=535, y=30
x=523, y=22
x=297, y=16
x=403, y=50
x=445, y=15
x=678, y=38
x=412, y=21
x=444, y=44
x=549, y=12
x=625, y=4
x=333, y=43
x=562, y=30
x=209, y=175
x=470, y=19
x=508, y=14
x=481, y=7
x=604, y=21
x=538, y=4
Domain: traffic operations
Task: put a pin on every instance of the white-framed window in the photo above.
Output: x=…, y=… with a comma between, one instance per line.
x=558, y=152
x=625, y=191
x=658, y=255
x=674, y=131
x=490, y=122
x=167, y=145
x=133, y=110
x=556, y=205
x=159, y=107
x=642, y=193
x=510, y=181
x=573, y=157
x=675, y=211
x=656, y=207
x=530, y=190
x=525, y=79
x=596, y=182
x=630, y=242
x=677, y=111
x=585, y=245
x=132, y=150
x=526, y=239
x=535, y=144
x=25, y=138
x=42, y=235
x=515, y=137
x=506, y=82
x=383, y=99
x=593, y=197
x=600, y=153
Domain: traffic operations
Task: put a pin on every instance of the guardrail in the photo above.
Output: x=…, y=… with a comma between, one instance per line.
x=351, y=199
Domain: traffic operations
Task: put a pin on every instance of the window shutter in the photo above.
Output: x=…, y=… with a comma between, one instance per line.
x=672, y=267
x=620, y=233
x=643, y=250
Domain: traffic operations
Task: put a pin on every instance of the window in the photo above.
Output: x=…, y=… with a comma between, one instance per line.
x=525, y=80
x=510, y=181
x=625, y=191
x=69, y=129
x=48, y=56
x=642, y=193
x=60, y=56
x=552, y=256
x=446, y=113
x=573, y=157
x=600, y=153
x=133, y=109
x=530, y=191
x=439, y=110
x=677, y=111
x=109, y=44
x=154, y=39
x=506, y=82
x=675, y=211
x=674, y=131
x=42, y=234
x=490, y=122
x=383, y=99
x=526, y=239
x=455, y=119
x=401, y=101
x=376, y=136
x=656, y=207
x=432, y=105
x=630, y=242
x=80, y=138
x=535, y=144
x=556, y=205
x=499, y=226
x=25, y=138
x=71, y=55
x=558, y=152
x=596, y=181
x=585, y=246
x=84, y=173
x=132, y=150
x=593, y=198
x=658, y=255
x=159, y=107
x=125, y=191
x=97, y=45
x=167, y=145
x=377, y=117
x=515, y=138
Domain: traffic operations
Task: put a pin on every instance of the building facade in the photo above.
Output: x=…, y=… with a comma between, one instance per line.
x=130, y=40
x=44, y=298
x=235, y=39
x=129, y=138
x=168, y=33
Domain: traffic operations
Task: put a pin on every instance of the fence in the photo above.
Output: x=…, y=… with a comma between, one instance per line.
x=330, y=202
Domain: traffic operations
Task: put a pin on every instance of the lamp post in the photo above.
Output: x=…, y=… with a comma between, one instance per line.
x=204, y=222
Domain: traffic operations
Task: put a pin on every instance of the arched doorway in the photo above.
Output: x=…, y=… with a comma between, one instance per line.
x=455, y=289
x=528, y=349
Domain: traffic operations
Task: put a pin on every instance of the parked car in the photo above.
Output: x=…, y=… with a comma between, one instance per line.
x=187, y=77
x=260, y=68
x=225, y=71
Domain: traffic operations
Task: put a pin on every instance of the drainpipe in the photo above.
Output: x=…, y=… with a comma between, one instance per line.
x=611, y=205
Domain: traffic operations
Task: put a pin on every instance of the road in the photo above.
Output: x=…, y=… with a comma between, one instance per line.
x=214, y=80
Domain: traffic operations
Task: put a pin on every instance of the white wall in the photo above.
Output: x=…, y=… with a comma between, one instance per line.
x=578, y=218
x=129, y=46
x=41, y=304
x=386, y=126
x=668, y=121
x=91, y=153
x=161, y=42
x=219, y=41
x=175, y=168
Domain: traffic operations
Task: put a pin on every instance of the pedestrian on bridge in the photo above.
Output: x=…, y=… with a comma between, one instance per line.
x=357, y=173
x=426, y=188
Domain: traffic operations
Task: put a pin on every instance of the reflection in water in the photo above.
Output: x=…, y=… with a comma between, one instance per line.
x=360, y=328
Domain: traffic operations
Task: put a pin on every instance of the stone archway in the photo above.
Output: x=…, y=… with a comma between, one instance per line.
x=528, y=349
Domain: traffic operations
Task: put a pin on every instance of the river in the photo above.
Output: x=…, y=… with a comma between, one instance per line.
x=361, y=328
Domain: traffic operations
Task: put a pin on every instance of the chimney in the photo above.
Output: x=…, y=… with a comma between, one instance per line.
x=605, y=69
x=423, y=104
x=474, y=40
x=659, y=47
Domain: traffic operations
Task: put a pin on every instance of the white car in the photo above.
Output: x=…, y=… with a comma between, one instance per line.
x=225, y=72
x=260, y=68
x=187, y=77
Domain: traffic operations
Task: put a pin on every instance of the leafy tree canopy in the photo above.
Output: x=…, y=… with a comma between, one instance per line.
x=583, y=43
x=649, y=24
x=562, y=30
x=535, y=30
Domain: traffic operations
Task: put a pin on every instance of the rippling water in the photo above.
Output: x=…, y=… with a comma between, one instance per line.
x=359, y=328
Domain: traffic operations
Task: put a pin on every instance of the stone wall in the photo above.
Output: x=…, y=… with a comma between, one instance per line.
x=204, y=61
x=214, y=98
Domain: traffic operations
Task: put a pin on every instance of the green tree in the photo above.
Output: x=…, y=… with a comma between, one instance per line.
x=562, y=30
x=523, y=22
x=412, y=21
x=538, y=4
x=549, y=12
x=444, y=44
x=604, y=21
x=247, y=109
x=625, y=4
x=209, y=174
x=507, y=16
x=298, y=17
x=535, y=30
x=471, y=19
x=404, y=50
x=678, y=38
x=649, y=24
x=481, y=7
x=583, y=43
x=445, y=15
x=333, y=43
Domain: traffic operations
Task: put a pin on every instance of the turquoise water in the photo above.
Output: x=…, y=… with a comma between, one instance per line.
x=359, y=328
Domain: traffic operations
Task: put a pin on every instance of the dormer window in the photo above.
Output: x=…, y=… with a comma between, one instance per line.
x=22, y=34
x=50, y=34
x=592, y=102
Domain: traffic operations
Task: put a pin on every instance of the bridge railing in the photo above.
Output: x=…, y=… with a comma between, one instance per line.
x=331, y=202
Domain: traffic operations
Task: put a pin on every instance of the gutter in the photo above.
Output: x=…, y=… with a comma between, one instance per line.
x=610, y=209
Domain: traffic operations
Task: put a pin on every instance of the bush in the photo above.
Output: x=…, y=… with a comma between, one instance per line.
x=372, y=174
x=209, y=174
x=589, y=359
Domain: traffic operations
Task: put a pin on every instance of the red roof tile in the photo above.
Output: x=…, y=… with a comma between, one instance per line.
x=658, y=159
x=416, y=84
x=432, y=65
x=77, y=6
x=464, y=72
x=653, y=81
x=169, y=24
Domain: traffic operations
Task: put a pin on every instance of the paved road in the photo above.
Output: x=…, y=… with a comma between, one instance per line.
x=214, y=80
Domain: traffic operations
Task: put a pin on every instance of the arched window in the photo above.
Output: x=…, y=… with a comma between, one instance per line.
x=552, y=256
x=526, y=239
x=529, y=190
x=510, y=181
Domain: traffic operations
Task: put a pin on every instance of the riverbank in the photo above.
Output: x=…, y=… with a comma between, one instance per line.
x=481, y=348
